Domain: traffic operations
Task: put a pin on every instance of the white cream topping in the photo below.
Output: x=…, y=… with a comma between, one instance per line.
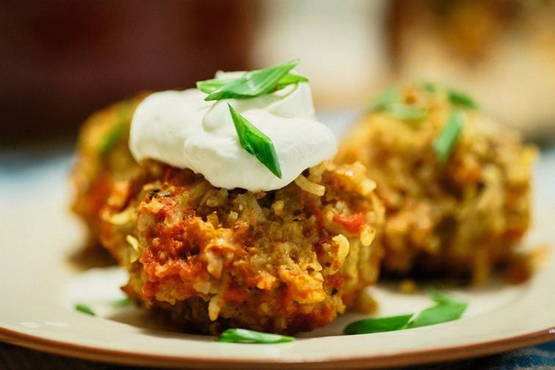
x=179, y=128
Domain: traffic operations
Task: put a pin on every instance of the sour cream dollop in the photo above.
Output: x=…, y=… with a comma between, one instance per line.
x=183, y=130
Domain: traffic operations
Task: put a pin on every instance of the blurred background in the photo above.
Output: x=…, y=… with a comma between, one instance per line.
x=62, y=59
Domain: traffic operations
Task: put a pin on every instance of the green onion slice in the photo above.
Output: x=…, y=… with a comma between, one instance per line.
x=406, y=111
x=251, y=336
x=123, y=302
x=456, y=97
x=253, y=83
x=445, y=142
x=385, y=99
x=446, y=309
x=429, y=86
x=256, y=142
x=390, y=102
x=378, y=324
x=209, y=86
x=459, y=98
x=439, y=297
x=112, y=137
x=290, y=79
x=81, y=307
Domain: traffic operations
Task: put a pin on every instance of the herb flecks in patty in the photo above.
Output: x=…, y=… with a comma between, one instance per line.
x=391, y=101
x=456, y=97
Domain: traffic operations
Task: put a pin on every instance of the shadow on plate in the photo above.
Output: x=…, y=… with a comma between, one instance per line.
x=91, y=256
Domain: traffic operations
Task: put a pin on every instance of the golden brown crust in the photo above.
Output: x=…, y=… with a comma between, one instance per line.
x=460, y=218
x=103, y=157
x=279, y=261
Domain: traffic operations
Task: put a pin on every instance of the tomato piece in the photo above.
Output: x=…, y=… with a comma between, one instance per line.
x=352, y=223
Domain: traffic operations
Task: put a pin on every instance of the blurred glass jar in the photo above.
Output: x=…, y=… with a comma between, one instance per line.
x=501, y=51
x=63, y=59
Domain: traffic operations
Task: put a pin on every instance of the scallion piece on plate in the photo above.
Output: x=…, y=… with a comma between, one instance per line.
x=251, y=336
x=253, y=83
x=440, y=297
x=256, y=142
x=378, y=324
x=445, y=142
x=123, y=302
x=81, y=307
x=446, y=309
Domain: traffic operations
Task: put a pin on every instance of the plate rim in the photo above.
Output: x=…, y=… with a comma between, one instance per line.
x=402, y=358
x=474, y=347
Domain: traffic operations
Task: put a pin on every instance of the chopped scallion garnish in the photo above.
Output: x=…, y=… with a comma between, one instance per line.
x=256, y=142
x=378, y=324
x=459, y=98
x=445, y=142
x=123, y=302
x=251, y=336
x=112, y=137
x=209, y=86
x=385, y=99
x=81, y=307
x=290, y=79
x=446, y=309
x=456, y=97
x=429, y=86
x=252, y=84
x=406, y=111
x=390, y=102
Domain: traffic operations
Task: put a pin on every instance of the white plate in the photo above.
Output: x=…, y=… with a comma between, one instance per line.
x=37, y=235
